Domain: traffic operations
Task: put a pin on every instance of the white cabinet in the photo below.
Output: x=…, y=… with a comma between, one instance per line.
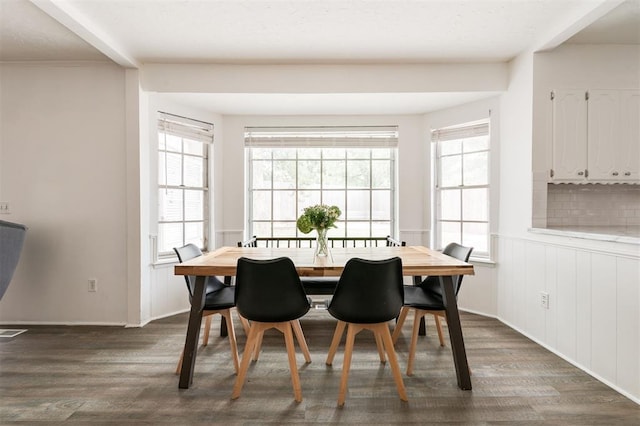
x=569, y=152
x=596, y=136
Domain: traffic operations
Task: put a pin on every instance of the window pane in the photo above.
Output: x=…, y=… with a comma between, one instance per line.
x=193, y=205
x=193, y=171
x=162, y=177
x=358, y=229
x=477, y=143
x=476, y=169
x=475, y=204
x=381, y=174
x=335, y=198
x=381, y=228
x=169, y=236
x=194, y=233
x=284, y=174
x=173, y=169
x=311, y=153
x=170, y=204
x=381, y=206
x=261, y=174
x=262, y=229
x=450, y=171
x=450, y=233
x=309, y=174
x=381, y=153
x=358, y=153
x=284, y=205
x=307, y=198
x=450, y=204
x=261, y=205
x=261, y=153
x=333, y=174
x=358, y=205
x=173, y=143
x=358, y=173
x=161, y=139
x=194, y=147
x=333, y=153
x=476, y=235
x=285, y=229
x=450, y=147
x=282, y=153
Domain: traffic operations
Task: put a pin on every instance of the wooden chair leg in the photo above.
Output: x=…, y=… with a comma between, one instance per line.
x=297, y=329
x=401, y=318
x=414, y=340
x=231, y=333
x=245, y=324
x=337, y=335
x=256, y=330
x=286, y=329
x=258, y=346
x=207, y=329
x=346, y=365
x=383, y=331
x=436, y=317
x=380, y=347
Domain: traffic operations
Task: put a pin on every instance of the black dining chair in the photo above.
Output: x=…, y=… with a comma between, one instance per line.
x=220, y=299
x=426, y=298
x=369, y=295
x=269, y=294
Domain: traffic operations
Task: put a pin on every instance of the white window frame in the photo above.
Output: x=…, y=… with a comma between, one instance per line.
x=448, y=134
x=192, y=130
x=367, y=137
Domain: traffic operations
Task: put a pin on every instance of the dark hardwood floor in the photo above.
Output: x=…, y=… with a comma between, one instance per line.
x=120, y=376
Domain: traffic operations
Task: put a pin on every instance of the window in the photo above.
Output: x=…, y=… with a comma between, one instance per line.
x=292, y=168
x=183, y=201
x=461, y=192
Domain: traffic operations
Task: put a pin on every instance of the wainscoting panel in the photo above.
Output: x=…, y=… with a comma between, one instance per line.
x=593, y=319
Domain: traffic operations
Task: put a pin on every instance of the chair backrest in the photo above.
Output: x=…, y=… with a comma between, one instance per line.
x=460, y=252
x=188, y=252
x=392, y=242
x=269, y=290
x=12, y=237
x=251, y=242
x=369, y=291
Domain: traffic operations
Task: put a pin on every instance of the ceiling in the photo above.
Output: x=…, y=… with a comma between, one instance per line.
x=137, y=32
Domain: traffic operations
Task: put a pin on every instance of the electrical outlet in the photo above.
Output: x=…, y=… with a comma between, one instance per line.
x=544, y=300
x=93, y=285
x=4, y=207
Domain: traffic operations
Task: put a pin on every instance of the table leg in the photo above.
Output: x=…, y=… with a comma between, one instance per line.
x=193, y=334
x=455, y=333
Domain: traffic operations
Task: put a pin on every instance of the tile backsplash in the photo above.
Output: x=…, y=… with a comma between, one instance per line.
x=593, y=205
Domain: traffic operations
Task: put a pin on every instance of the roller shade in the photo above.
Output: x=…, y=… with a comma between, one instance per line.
x=322, y=137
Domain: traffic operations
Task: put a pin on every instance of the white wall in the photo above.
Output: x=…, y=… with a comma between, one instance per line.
x=63, y=171
x=593, y=318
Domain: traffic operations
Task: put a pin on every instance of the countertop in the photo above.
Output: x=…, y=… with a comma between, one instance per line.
x=620, y=234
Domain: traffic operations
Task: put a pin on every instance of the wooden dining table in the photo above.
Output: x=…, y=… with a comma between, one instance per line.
x=417, y=261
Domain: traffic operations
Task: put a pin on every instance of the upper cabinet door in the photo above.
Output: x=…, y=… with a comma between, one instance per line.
x=628, y=157
x=569, y=152
x=614, y=135
x=603, y=130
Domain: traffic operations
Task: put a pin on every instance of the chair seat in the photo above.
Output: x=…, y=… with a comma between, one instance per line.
x=221, y=299
x=417, y=297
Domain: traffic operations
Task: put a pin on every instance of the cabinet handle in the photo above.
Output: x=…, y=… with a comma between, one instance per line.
x=627, y=173
x=615, y=173
x=580, y=173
